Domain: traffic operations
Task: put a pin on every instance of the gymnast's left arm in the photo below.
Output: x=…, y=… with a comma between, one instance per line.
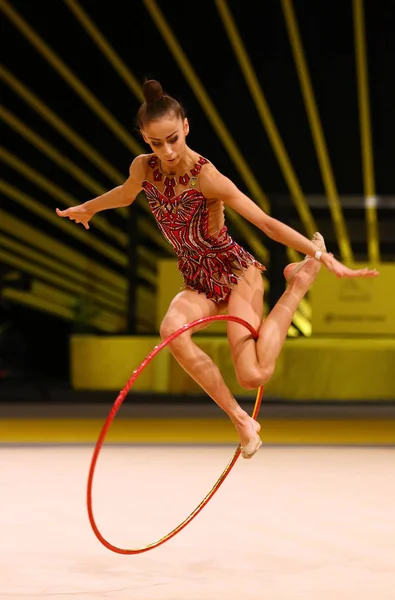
x=215, y=185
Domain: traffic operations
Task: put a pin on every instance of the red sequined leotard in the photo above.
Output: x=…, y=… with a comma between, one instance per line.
x=209, y=260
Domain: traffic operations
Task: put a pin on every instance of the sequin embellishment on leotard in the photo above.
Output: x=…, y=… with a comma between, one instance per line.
x=210, y=265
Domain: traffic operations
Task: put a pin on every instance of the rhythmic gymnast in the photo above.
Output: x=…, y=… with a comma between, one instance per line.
x=187, y=196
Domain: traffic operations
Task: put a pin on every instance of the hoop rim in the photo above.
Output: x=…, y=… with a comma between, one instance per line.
x=114, y=410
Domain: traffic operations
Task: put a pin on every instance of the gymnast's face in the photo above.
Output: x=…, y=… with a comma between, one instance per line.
x=166, y=137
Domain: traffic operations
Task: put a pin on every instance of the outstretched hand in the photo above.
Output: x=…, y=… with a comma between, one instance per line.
x=79, y=214
x=340, y=270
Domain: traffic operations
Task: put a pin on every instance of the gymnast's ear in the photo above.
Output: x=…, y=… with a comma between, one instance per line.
x=186, y=126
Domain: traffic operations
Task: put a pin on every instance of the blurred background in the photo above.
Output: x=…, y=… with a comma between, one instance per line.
x=294, y=104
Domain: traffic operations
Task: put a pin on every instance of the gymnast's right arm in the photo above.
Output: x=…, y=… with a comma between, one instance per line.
x=122, y=195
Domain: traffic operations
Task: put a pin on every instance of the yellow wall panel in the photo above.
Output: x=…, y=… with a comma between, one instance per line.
x=315, y=369
x=354, y=306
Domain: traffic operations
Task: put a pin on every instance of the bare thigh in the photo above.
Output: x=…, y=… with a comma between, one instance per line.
x=186, y=307
x=246, y=302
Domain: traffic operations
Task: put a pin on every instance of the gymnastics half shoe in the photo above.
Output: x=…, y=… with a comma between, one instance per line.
x=319, y=242
x=254, y=443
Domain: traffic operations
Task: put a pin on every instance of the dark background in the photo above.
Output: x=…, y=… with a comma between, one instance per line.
x=327, y=33
x=328, y=38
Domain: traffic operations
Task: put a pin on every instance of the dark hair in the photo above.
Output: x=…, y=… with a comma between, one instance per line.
x=157, y=104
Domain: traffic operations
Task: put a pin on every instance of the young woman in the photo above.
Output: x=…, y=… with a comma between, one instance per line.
x=187, y=196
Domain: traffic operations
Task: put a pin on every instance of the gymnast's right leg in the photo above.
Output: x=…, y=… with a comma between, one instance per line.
x=186, y=307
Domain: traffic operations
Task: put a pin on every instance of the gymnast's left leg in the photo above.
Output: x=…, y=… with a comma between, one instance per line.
x=255, y=360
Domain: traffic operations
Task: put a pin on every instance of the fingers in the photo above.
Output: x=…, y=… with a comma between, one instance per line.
x=368, y=273
x=362, y=273
x=61, y=213
x=341, y=270
x=84, y=223
x=68, y=213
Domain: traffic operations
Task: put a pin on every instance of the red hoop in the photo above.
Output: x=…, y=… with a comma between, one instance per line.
x=117, y=404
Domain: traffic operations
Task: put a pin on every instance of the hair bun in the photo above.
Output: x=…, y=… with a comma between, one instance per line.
x=152, y=91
